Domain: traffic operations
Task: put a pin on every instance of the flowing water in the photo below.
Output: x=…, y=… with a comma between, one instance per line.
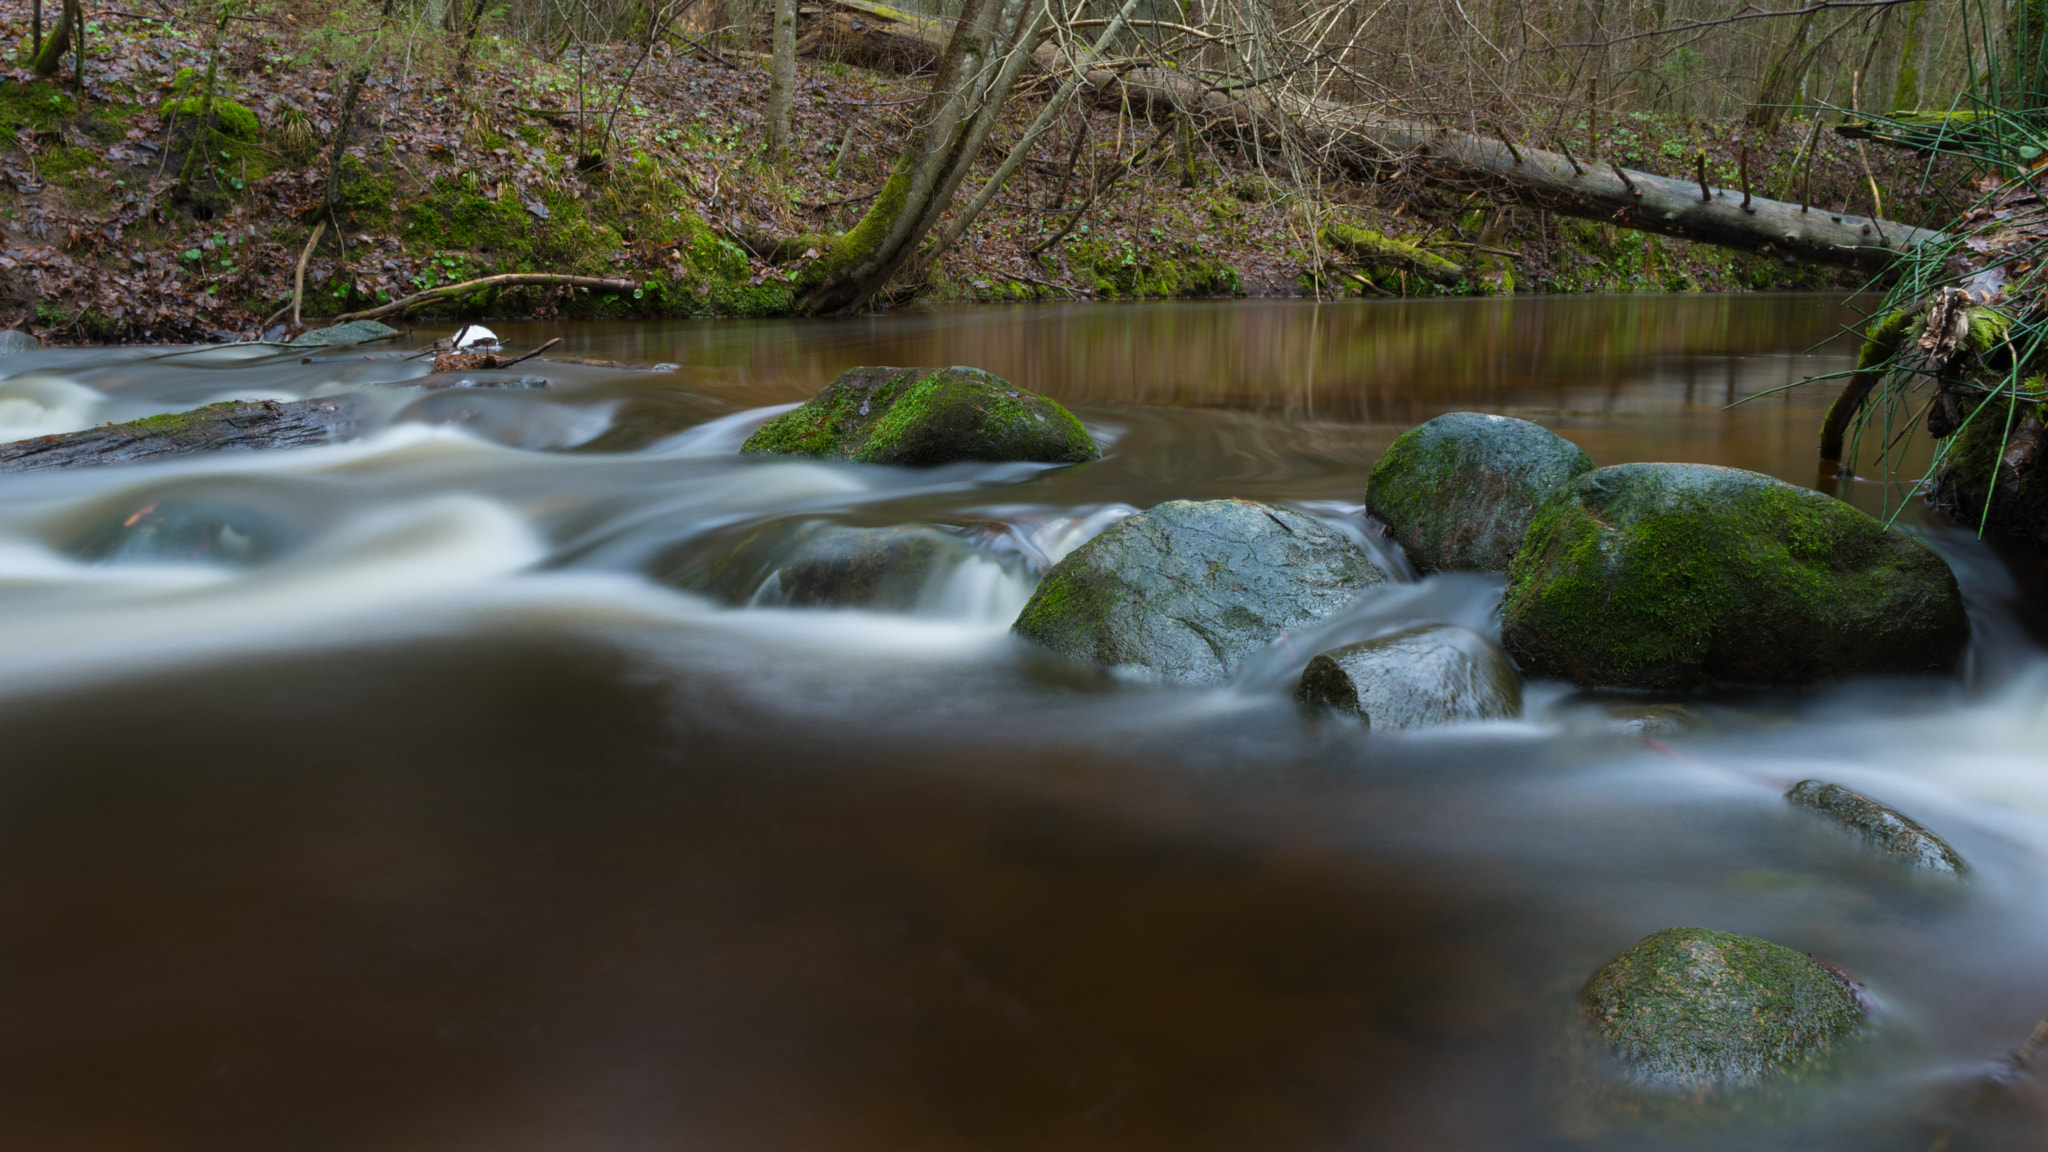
x=408, y=793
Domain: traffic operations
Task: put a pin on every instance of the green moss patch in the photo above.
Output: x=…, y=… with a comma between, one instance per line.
x=918, y=417
x=1677, y=575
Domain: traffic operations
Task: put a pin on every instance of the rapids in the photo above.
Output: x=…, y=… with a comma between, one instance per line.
x=401, y=794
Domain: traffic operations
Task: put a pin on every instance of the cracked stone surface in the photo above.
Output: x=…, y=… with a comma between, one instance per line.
x=1185, y=591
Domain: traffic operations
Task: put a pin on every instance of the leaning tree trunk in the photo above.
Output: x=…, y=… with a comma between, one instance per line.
x=878, y=36
x=988, y=50
x=50, y=56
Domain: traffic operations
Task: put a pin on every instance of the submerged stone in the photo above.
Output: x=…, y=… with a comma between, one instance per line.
x=353, y=332
x=817, y=564
x=1888, y=832
x=1186, y=591
x=924, y=416
x=186, y=529
x=1690, y=1010
x=1435, y=674
x=1677, y=575
x=1460, y=490
x=1653, y=720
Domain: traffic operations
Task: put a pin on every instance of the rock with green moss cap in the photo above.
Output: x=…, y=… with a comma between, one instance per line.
x=924, y=416
x=817, y=563
x=1888, y=832
x=229, y=118
x=1460, y=490
x=1433, y=674
x=1680, y=575
x=1691, y=1010
x=353, y=332
x=1187, y=591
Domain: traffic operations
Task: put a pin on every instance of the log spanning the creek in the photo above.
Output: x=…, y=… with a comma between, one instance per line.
x=235, y=425
x=878, y=36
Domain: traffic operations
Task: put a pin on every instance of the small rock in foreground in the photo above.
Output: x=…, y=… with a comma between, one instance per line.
x=1890, y=833
x=353, y=332
x=1186, y=591
x=1459, y=491
x=1689, y=1010
x=14, y=341
x=1678, y=575
x=1434, y=674
x=923, y=416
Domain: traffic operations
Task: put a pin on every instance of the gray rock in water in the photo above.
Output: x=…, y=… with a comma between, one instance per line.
x=1435, y=674
x=817, y=564
x=1889, y=833
x=925, y=416
x=353, y=332
x=1689, y=1010
x=1677, y=575
x=1186, y=591
x=13, y=341
x=1460, y=490
x=1653, y=720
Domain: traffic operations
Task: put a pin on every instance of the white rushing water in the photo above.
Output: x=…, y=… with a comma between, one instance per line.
x=469, y=519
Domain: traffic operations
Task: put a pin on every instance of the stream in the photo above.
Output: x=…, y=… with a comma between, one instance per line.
x=411, y=793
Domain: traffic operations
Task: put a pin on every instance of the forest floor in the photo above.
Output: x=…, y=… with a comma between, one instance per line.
x=123, y=224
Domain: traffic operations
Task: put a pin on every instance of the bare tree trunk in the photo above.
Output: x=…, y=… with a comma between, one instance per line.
x=781, y=81
x=1781, y=82
x=988, y=50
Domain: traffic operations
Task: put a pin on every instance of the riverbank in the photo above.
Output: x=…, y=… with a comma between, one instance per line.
x=122, y=225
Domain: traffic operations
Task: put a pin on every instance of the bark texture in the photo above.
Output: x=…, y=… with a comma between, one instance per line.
x=237, y=424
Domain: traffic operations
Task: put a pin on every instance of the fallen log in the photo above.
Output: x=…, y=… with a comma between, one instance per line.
x=1367, y=143
x=237, y=425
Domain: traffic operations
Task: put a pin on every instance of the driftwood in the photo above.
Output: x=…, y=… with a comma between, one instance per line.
x=234, y=425
x=505, y=280
x=883, y=37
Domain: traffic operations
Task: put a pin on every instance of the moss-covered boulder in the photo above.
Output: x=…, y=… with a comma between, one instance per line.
x=1186, y=591
x=1434, y=674
x=1678, y=575
x=1690, y=1010
x=353, y=332
x=817, y=564
x=924, y=416
x=230, y=119
x=1460, y=490
x=1888, y=832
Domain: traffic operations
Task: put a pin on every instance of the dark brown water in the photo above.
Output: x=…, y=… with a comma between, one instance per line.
x=411, y=813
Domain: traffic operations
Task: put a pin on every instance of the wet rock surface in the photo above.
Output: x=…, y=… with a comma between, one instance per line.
x=819, y=564
x=1889, y=833
x=13, y=342
x=1679, y=575
x=1688, y=1010
x=1434, y=674
x=924, y=416
x=1460, y=490
x=1186, y=591
x=353, y=332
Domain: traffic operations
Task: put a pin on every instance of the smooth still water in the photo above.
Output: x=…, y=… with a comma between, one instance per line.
x=395, y=796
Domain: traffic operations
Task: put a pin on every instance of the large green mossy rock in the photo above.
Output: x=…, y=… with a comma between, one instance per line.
x=1889, y=833
x=819, y=564
x=1459, y=491
x=1414, y=678
x=925, y=416
x=1186, y=591
x=1690, y=1010
x=1678, y=575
